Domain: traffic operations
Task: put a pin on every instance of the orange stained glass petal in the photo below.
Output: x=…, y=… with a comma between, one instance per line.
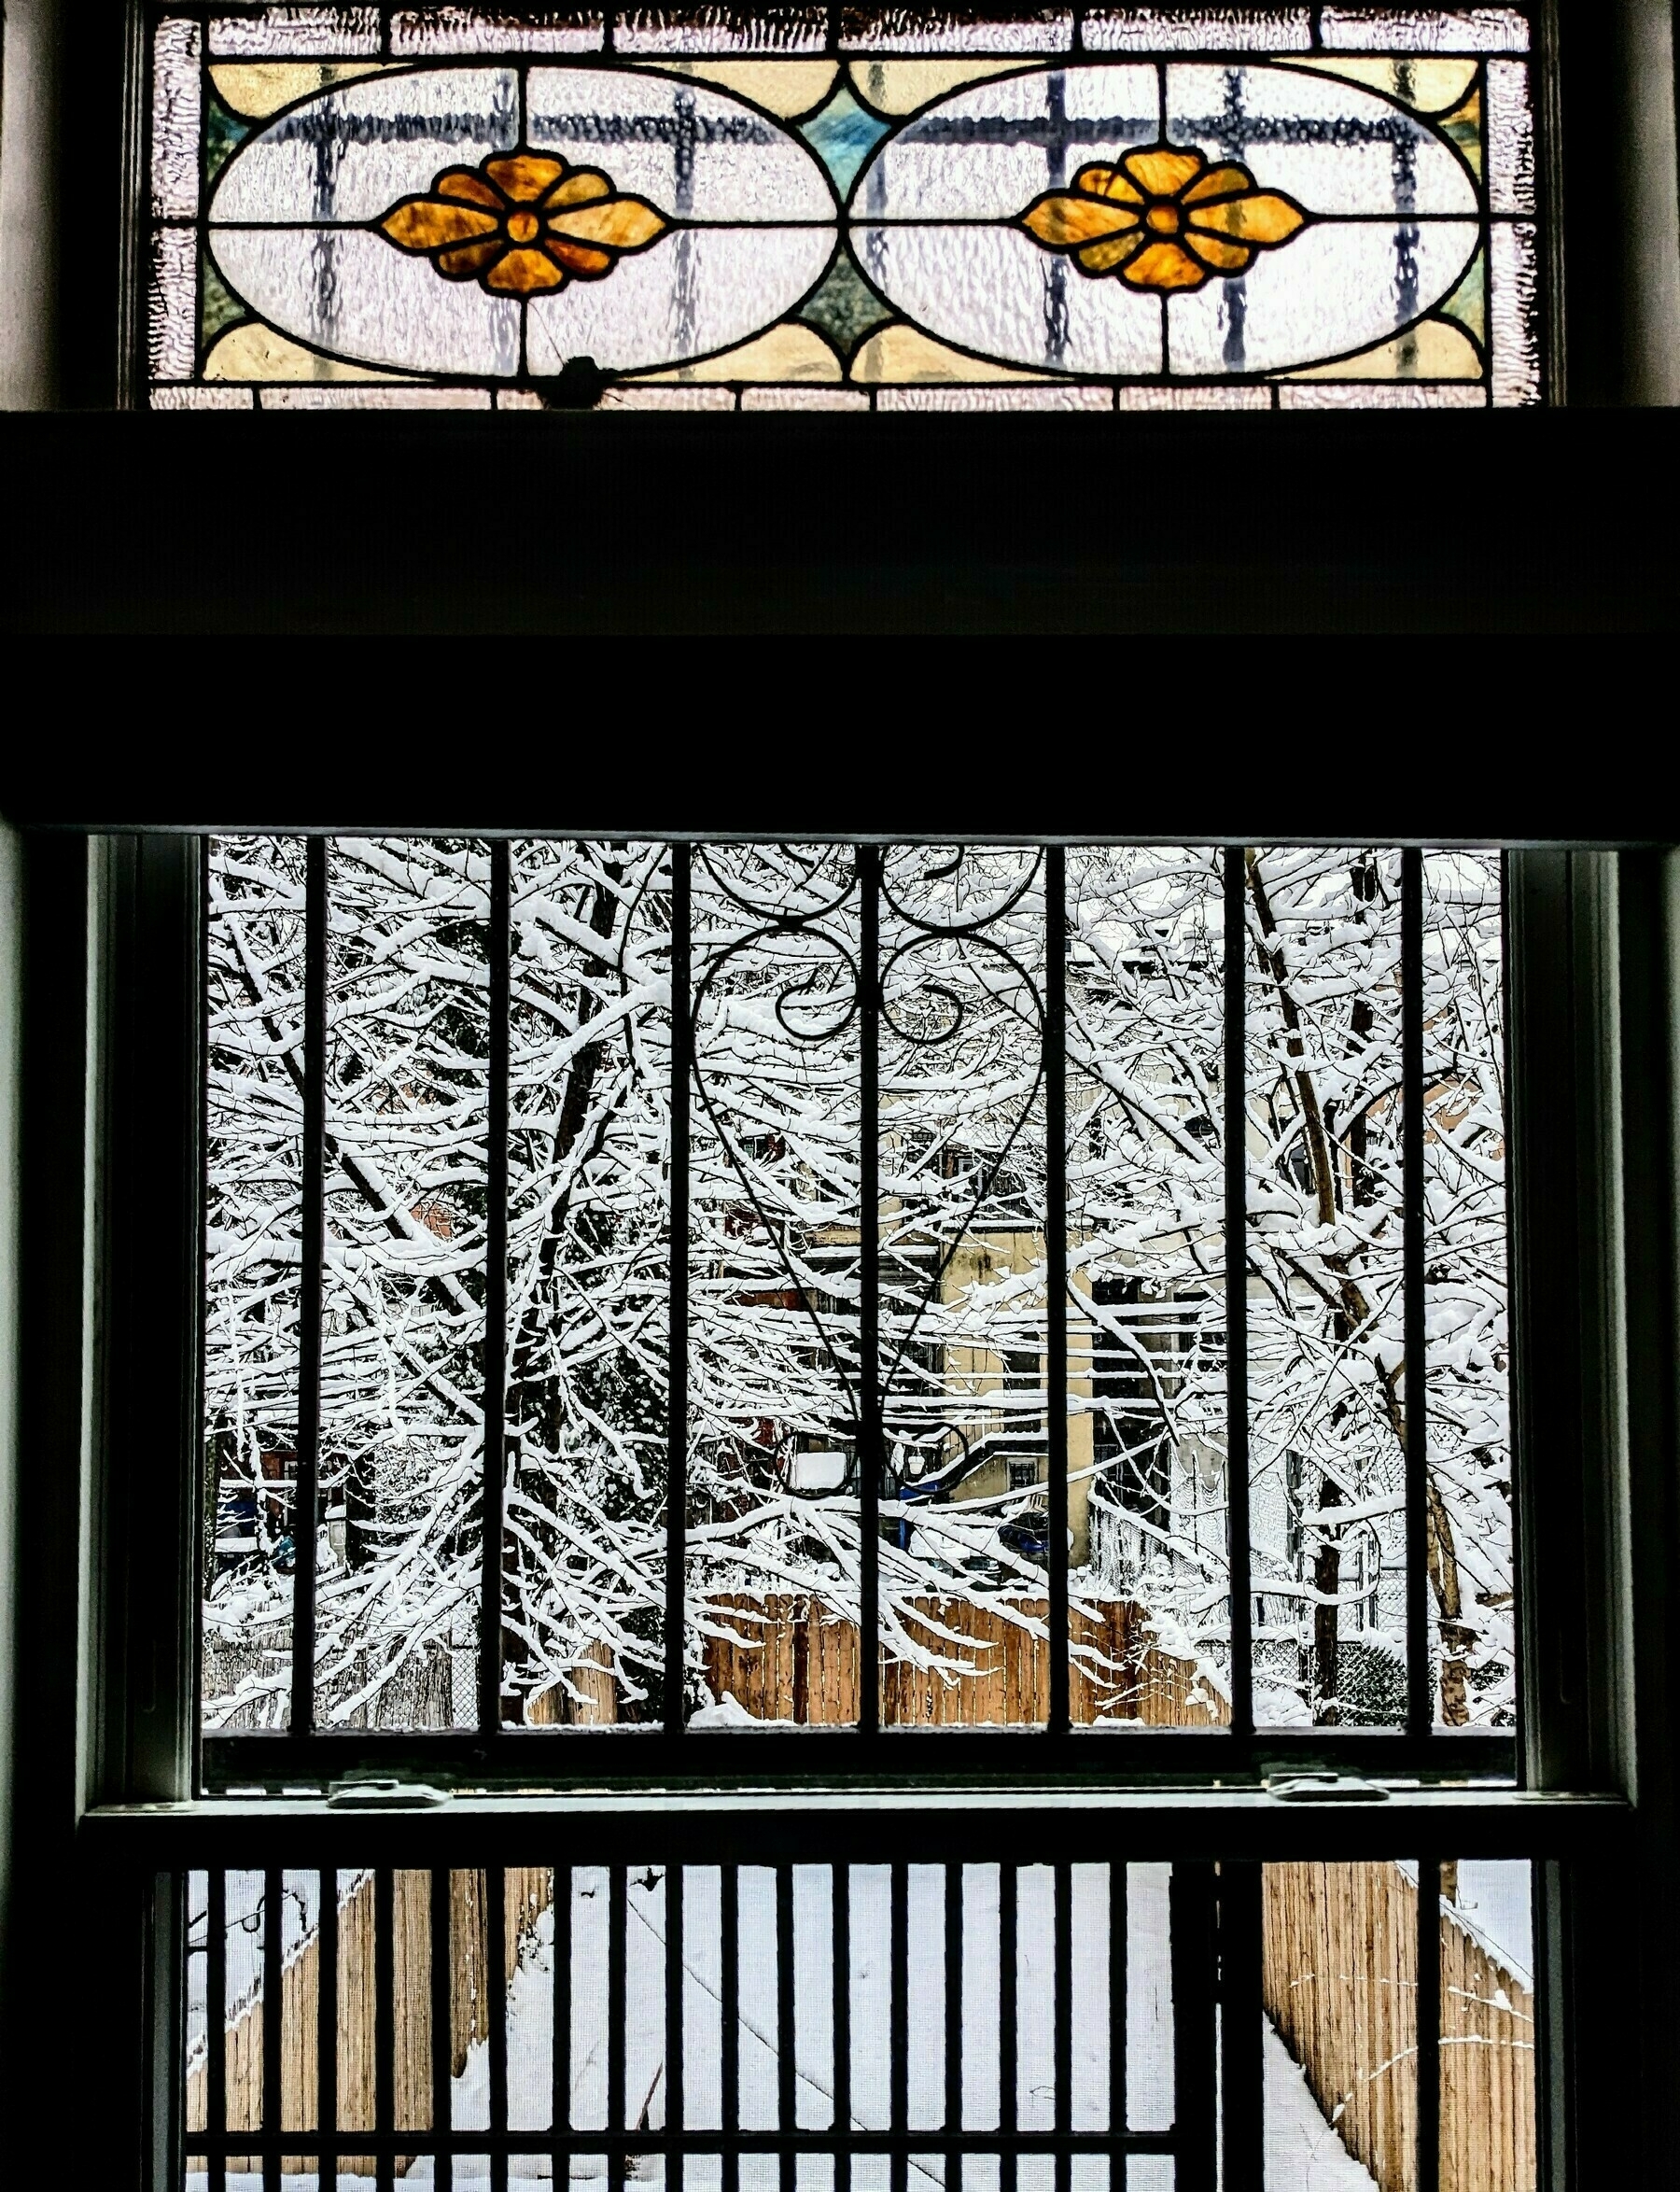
x=525, y=176
x=1163, y=266
x=1107, y=182
x=1219, y=182
x=1097, y=259
x=464, y=183
x=1262, y=219
x=623, y=224
x=469, y=258
x=428, y=224
x=521, y=274
x=1163, y=174
x=579, y=187
x=1061, y=220
x=578, y=259
x=1215, y=251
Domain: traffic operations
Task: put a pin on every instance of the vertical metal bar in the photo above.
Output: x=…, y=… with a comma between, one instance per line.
x=1242, y=2056
x=729, y=1988
x=443, y=2038
x=496, y=1888
x=953, y=2017
x=312, y=1243
x=1418, y=1686
x=675, y=2110
x=1236, y=1305
x=385, y=2024
x=1056, y=1270
x=1194, y=2033
x=870, y=1445
x=786, y=2029
x=326, y=2027
x=842, y=1987
x=1008, y=2027
x=618, y=1895
x=1429, y=2025
x=682, y=1056
x=272, y=2097
x=215, y=2023
x=1062, y=2012
x=1119, y=1878
x=899, y=2021
x=496, y=1294
x=560, y=2105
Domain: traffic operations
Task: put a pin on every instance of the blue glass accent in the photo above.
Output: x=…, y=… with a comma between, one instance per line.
x=843, y=137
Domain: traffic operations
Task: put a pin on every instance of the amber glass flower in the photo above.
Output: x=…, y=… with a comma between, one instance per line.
x=1163, y=219
x=523, y=223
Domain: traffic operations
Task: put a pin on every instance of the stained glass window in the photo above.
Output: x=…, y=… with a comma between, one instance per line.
x=843, y=209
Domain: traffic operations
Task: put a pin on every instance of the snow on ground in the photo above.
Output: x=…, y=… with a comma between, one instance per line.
x=1303, y=2152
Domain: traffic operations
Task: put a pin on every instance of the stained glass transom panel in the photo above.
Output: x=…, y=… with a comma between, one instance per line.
x=846, y=208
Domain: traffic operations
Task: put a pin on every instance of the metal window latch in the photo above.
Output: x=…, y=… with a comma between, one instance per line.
x=385, y=1796
x=1327, y=1789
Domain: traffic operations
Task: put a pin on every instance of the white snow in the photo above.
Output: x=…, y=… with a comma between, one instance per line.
x=1303, y=2152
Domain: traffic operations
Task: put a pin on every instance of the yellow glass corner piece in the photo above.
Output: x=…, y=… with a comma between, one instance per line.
x=262, y=87
x=901, y=354
x=254, y=352
x=1427, y=87
x=1431, y=351
x=783, y=87
x=900, y=86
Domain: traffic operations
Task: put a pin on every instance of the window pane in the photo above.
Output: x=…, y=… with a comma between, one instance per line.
x=1325, y=1287
x=868, y=208
x=403, y=1310
x=254, y=1115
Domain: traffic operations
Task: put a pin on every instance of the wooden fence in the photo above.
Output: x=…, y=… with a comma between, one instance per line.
x=527, y=1892
x=1341, y=1986
x=785, y=1658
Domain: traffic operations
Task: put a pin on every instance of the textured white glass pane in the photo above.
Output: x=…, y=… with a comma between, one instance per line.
x=1231, y=30
x=994, y=291
x=1381, y=396
x=721, y=30
x=1197, y=399
x=1150, y=2172
x=981, y=2014
x=995, y=399
x=347, y=291
x=1088, y=2096
x=690, y=149
x=352, y=153
x=1332, y=147
x=669, y=400
x=200, y=399
x=1035, y=1965
x=1510, y=138
x=986, y=153
x=171, y=341
x=175, y=107
x=1513, y=313
x=1334, y=288
x=1149, y=2076
x=1472, y=30
x=296, y=32
x=354, y=399
x=913, y=30
x=803, y=399
x=691, y=293
x=494, y=30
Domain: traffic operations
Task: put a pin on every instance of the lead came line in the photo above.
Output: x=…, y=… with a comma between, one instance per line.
x=443, y=2039
x=682, y=1050
x=274, y=1890
x=869, y=1257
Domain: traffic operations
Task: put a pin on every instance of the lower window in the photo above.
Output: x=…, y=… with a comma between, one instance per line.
x=1064, y=2026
